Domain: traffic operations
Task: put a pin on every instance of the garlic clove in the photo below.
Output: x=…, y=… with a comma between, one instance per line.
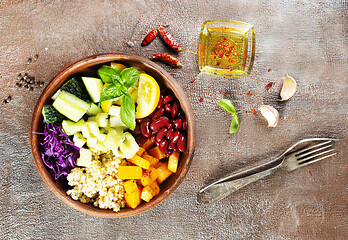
x=288, y=89
x=271, y=114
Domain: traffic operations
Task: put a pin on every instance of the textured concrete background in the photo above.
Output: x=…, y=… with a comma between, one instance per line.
x=306, y=39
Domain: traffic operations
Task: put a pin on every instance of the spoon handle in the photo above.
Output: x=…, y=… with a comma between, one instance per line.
x=221, y=190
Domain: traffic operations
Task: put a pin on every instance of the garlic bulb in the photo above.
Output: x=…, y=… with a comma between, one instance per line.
x=288, y=88
x=271, y=114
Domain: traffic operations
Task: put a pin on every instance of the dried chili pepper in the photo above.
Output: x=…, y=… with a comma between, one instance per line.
x=149, y=37
x=310, y=173
x=253, y=111
x=269, y=85
x=193, y=80
x=167, y=59
x=201, y=99
x=170, y=41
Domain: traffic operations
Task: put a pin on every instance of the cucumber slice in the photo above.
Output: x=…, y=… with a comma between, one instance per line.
x=85, y=158
x=94, y=87
x=51, y=115
x=70, y=128
x=91, y=141
x=54, y=97
x=93, y=110
x=70, y=106
x=73, y=86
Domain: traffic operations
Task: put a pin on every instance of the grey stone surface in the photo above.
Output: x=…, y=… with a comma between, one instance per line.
x=306, y=39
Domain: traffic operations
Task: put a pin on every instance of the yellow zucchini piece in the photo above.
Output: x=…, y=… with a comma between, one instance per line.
x=133, y=199
x=153, y=161
x=130, y=186
x=163, y=172
x=156, y=152
x=154, y=186
x=147, y=194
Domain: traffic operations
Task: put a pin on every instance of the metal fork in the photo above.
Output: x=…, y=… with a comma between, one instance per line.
x=286, y=161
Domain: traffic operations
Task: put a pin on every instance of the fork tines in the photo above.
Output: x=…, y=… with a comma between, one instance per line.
x=315, y=153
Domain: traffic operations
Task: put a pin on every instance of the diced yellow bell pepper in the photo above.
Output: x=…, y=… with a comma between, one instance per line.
x=118, y=66
x=130, y=186
x=173, y=161
x=149, y=176
x=147, y=194
x=141, y=151
x=153, y=161
x=156, y=152
x=129, y=172
x=163, y=172
x=133, y=199
x=141, y=162
x=154, y=186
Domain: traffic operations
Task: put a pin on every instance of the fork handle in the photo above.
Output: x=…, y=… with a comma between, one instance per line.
x=221, y=190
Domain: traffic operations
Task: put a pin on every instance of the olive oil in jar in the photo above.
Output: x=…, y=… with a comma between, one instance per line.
x=226, y=48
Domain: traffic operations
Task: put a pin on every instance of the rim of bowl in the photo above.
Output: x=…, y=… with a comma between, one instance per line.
x=62, y=77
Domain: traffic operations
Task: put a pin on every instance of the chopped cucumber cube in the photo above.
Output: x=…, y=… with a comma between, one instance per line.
x=85, y=131
x=85, y=158
x=79, y=140
x=129, y=146
x=101, y=119
x=100, y=147
x=70, y=128
x=101, y=137
x=93, y=128
x=91, y=141
x=93, y=110
x=113, y=139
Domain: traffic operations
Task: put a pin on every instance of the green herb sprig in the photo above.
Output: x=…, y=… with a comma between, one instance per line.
x=228, y=106
x=119, y=83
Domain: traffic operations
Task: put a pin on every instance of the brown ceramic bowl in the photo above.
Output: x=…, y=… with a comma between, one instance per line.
x=88, y=65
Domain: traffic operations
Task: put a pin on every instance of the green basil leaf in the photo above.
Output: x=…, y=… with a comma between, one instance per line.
x=234, y=124
x=130, y=76
x=109, y=74
x=112, y=92
x=227, y=105
x=128, y=111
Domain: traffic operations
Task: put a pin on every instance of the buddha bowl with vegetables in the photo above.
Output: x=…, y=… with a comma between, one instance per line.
x=113, y=135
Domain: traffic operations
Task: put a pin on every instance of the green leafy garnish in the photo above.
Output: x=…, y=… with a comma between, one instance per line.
x=128, y=111
x=228, y=106
x=119, y=82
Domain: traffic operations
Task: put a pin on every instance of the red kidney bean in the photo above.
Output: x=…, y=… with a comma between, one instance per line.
x=144, y=127
x=181, y=144
x=184, y=125
x=168, y=152
x=160, y=102
x=175, y=109
x=153, y=138
x=141, y=140
x=170, y=133
x=176, y=136
x=139, y=120
x=177, y=123
x=169, y=125
x=137, y=131
x=172, y=145
x=175, y=148
x=163, y=145
x=167, y=107
x=161, y=133
x=159, y=123
x=158, y=113
x=168, y=98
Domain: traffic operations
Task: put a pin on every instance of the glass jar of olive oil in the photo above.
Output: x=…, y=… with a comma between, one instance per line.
x=226, y=48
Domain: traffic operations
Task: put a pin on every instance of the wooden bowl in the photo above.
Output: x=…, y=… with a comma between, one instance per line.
x=88, y=65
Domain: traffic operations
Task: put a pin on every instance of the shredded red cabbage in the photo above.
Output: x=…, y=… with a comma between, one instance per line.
x=59, y=152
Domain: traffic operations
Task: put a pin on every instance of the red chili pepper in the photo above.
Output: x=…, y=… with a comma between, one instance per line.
x=201, y=99
x=253, y=111
x=169, y=40
x=193, y=80
x=268, y=86
x=310, y=173
x=149, y=37
x=167, y=59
